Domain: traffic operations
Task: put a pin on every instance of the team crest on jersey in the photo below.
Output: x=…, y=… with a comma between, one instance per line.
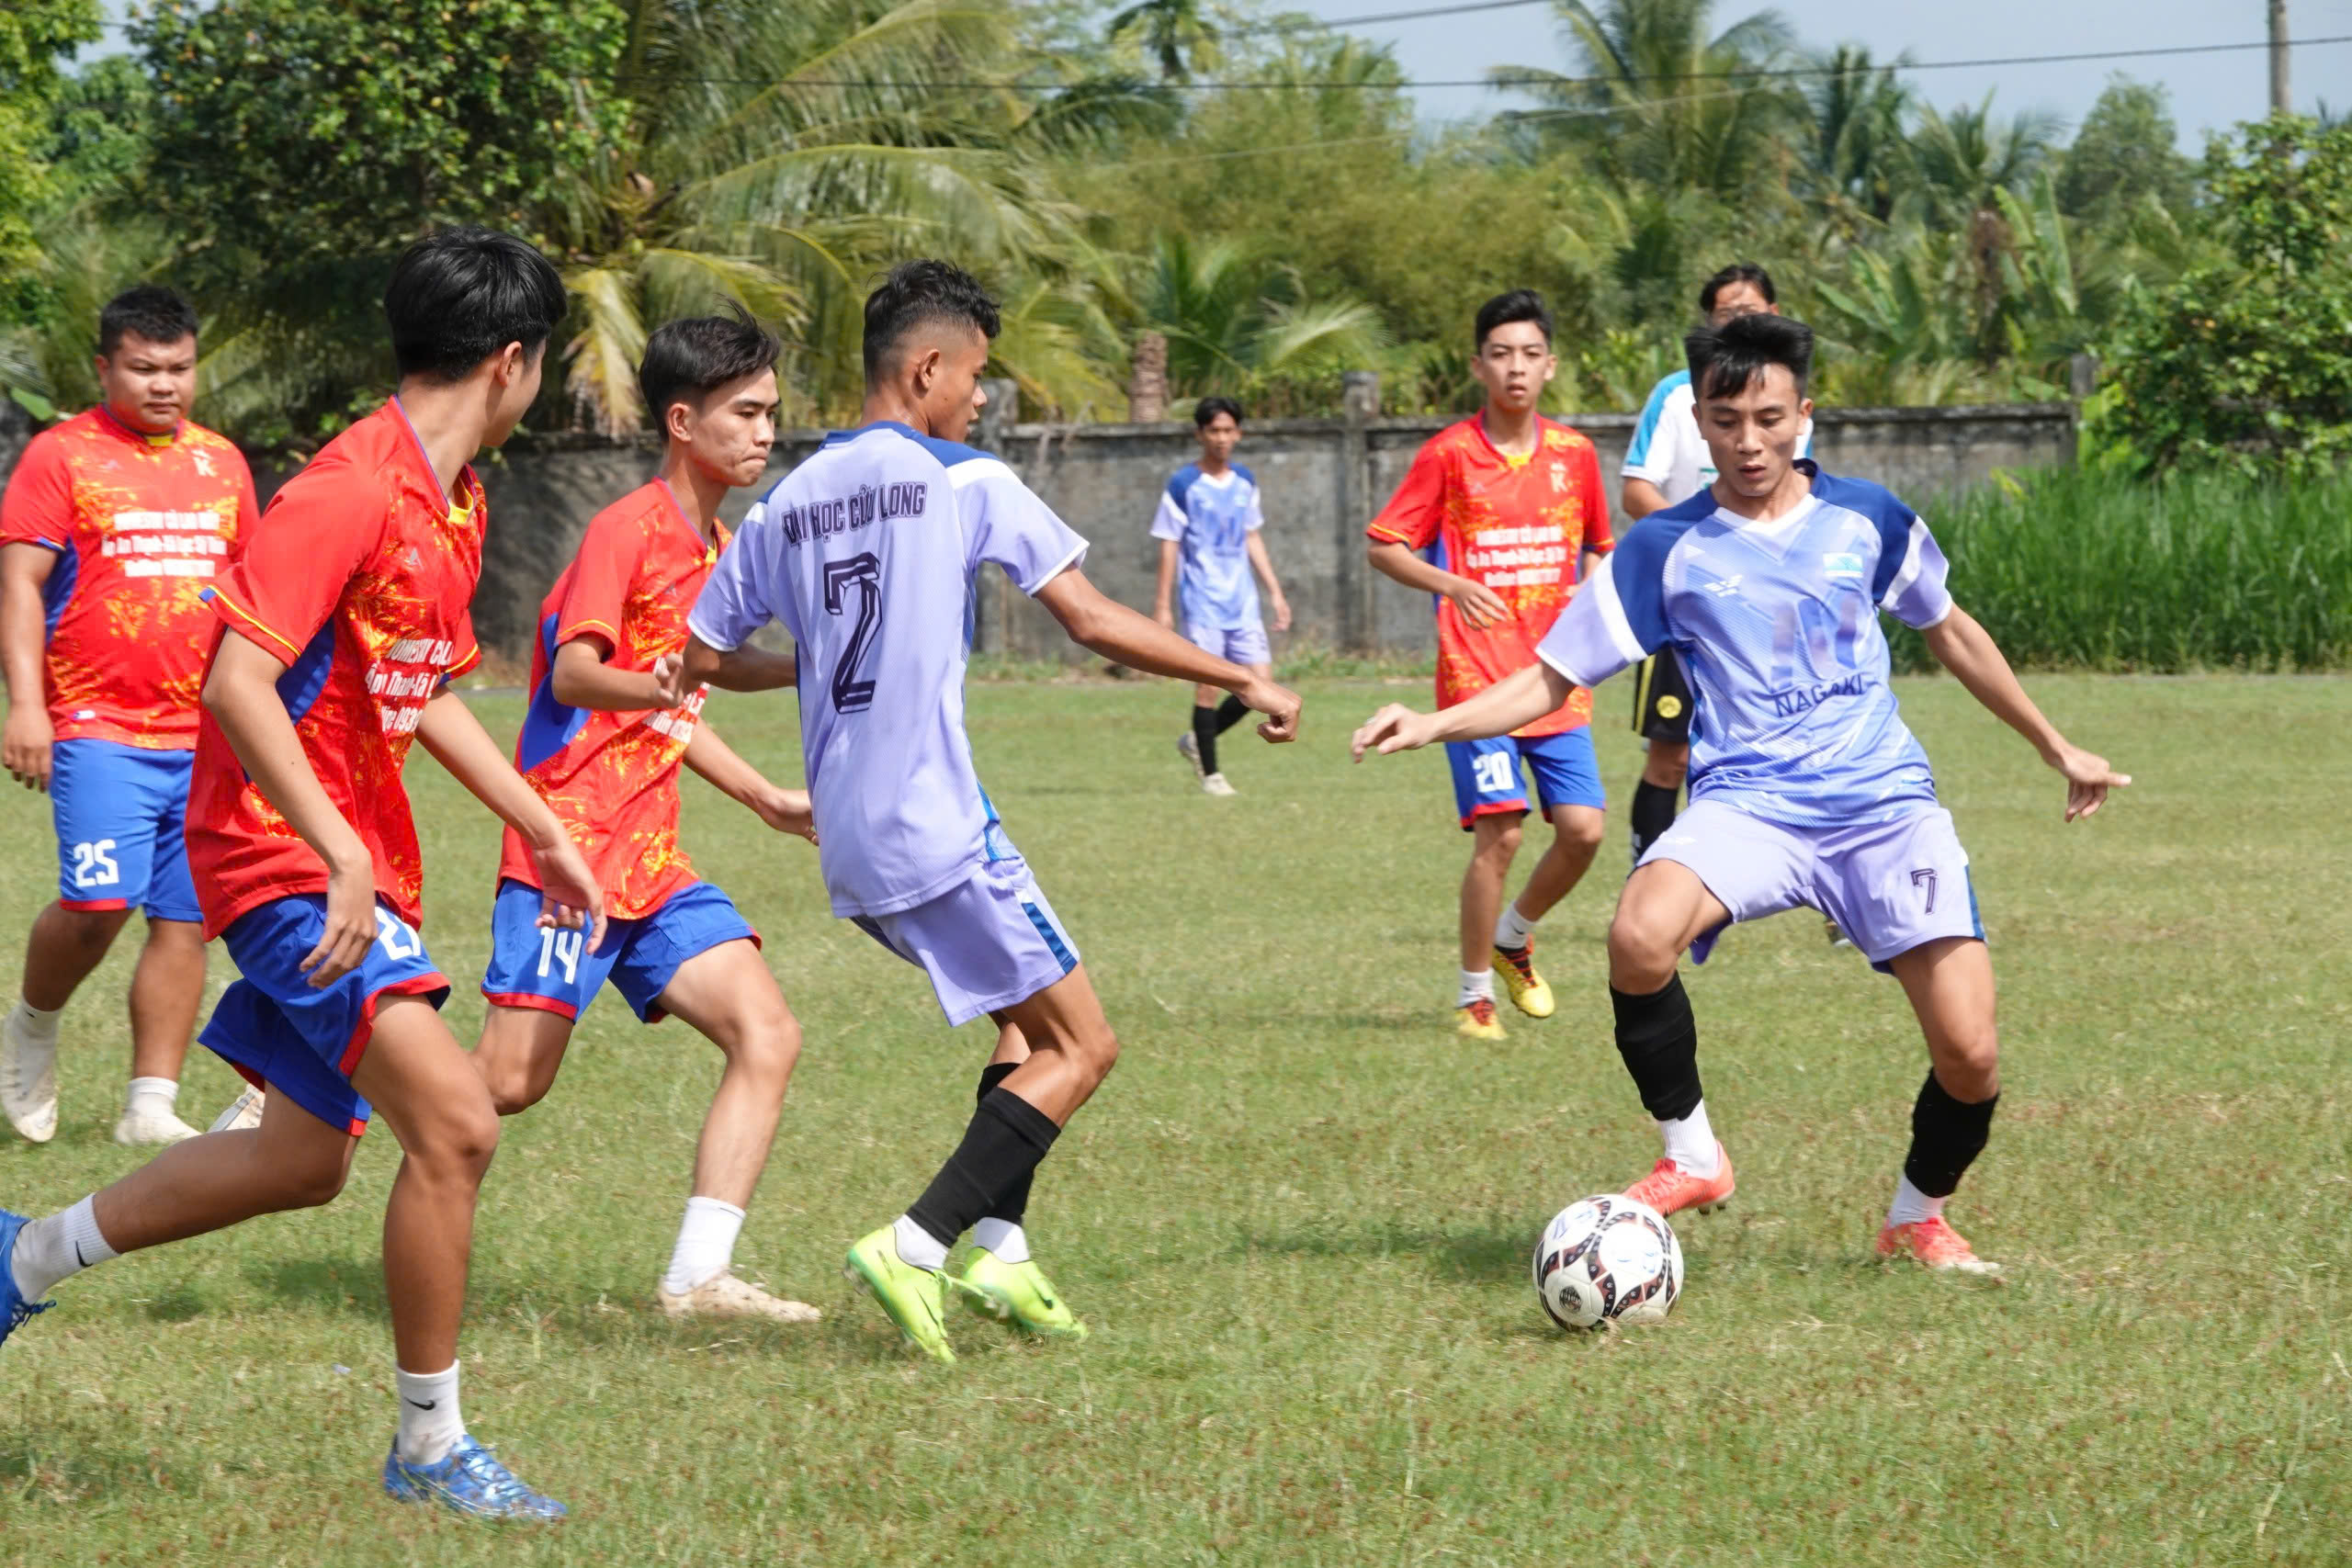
x=203, y=461
x=1842, y=563
x=1559, y=478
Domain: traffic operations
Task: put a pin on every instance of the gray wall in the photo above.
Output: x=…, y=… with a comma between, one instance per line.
x=1323, y=479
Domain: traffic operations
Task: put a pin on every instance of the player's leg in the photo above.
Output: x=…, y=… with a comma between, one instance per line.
x=539, y=981
x=167, y=985
x=1490, y=802
x=1567, y=788
x=64, y=945
x=1001, y=1278
x=1662, y=718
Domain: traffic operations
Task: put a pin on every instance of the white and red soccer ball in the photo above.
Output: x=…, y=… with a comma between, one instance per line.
x=1608, y=1260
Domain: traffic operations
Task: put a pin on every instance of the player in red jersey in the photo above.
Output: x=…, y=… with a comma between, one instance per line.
x=1510, y=506
x=113, y=525
x=343, y=624
x=603, y=747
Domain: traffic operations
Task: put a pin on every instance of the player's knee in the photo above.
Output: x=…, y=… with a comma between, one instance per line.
x=1641, y=951
x=766, y=1051
x=1581, y=832
x=512, y=1088
x=90, y=931
x=1098, y=1053
x=460, y=1141
x=1968, y=1061
x=1499, y=838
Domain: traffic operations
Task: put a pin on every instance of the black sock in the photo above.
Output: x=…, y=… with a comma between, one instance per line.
x=1659, y=1041
x=1947, y=1136
x=1015, y=1203
x=1230, y=712
x=1204, y=729
x=1002, y=1148
x=1653, y=814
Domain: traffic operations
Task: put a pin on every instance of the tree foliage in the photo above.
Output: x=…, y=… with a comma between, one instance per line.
x=34, y=34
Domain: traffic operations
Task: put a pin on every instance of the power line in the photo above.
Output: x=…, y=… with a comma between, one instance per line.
x=1302, y=23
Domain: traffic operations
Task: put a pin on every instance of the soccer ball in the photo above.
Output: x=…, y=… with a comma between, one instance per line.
x=1608, y=1259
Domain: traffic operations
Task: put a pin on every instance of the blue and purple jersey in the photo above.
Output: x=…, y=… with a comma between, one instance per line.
x=1210, y=521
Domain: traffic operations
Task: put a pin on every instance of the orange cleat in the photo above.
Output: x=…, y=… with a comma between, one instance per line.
x=1935, y=1244
x=1669, y=1189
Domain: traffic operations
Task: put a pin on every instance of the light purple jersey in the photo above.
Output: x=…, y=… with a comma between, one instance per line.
x=866, y=553
x=1777, y=626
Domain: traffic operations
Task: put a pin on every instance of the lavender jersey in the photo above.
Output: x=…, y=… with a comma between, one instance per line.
x=1210, y=521
x=867, y=553
x=1777, y=626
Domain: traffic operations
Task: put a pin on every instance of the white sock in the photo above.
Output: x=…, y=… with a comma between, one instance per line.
x=1513, y=929
x=1475, y=983
x=34, y=1024
x=918, y=1246
x=706, y=1244
x=1690, y=1143
x=430, y=1425
x=58, y=1247
x=1003, y=1237
x=1911, y=1205
x=152, y=1097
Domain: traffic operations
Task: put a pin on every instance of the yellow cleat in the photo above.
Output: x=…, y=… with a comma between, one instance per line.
x=1017, y=1293
x=1476, y=1019
x=1528, y=993
x=914, y=1298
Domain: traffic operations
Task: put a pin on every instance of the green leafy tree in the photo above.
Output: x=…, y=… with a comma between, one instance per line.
x=34, y=34
x=1233, y=319
x=2125, y=156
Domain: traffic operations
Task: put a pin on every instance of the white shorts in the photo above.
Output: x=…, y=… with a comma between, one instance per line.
x=1243, y=644
x=987, y=943
x=1891, y=886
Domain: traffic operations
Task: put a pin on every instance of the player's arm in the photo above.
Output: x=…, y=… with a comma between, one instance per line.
x=1963, y=647
x=569, y=894
x=1163, y=596
x=1262, y=561
x=724, y=769
x=581, y=679
x=26, y=737
x=1480, y=605
x=744, y=669
x=1639, y=498
x=1104, y=625
x=1518, y=700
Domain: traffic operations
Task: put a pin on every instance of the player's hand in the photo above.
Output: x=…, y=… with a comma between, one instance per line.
x=25, y=742
x=2088, y=778
x=1282, y=614
x=670, y=679
x=1393, y=729
x=1166, y=617
x=1279, y=704
x=569, y=898
x=788, y=811
x=351, y=925
x=1478, y=604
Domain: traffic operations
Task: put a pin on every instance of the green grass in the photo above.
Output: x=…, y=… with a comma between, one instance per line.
x=1298, y=1216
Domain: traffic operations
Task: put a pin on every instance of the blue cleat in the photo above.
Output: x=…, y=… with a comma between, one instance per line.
x=14, y=1309
x=468, y=1480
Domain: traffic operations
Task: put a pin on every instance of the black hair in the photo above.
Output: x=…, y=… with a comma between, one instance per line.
x=1725, y=359
x=160, y=315
x=1738, y=272
x=1519, y=305
x=1204, y=412
x=687, y=361
x=459, y=295
x=915, y=293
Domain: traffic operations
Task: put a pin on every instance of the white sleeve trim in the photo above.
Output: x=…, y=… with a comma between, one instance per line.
x=1077, y=553
x=1909, y=572
x=1941, y=615
x=974, y=470
x=719, y=644
x=1612, y=612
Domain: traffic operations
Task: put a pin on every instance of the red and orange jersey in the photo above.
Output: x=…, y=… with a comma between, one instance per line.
x=613, y=777
x=1519, y=525
x=141, y=524
x=357, y=580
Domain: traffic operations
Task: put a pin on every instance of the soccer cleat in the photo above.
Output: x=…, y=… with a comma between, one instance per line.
x=27, y=1082
x=723, y=1295
x=139, y=1127
x=1018, y=1293
x=1528, y=992
x=14, y=1309
x=1669, y=1189
x=467, y=1479
x=1934, y=1243
x=915, y=1298
x=1836, y=938
x=1188, y=746
x=1475, y=1018
x=243, y=1112
x=1216, y=784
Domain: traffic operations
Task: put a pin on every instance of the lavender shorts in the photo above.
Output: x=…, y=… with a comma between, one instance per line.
x=987, y=942
x=1243, y=644
x=1891, y=886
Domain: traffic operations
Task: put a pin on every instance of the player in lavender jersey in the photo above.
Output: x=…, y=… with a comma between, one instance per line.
x=867, y=553
x=1805, y=786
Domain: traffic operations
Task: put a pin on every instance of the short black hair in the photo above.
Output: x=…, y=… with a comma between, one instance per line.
x=459, y=295
x=1519, y=305
x=1725, y=359
x=1204, y=412
x=687, y=361
x=148, y=311
x=916, y=292
x=1738, y=272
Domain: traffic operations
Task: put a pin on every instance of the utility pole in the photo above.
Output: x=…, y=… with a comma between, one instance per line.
x=2281, y=98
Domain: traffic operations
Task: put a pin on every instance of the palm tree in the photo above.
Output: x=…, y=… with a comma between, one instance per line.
x=1175, y=35
x=1233, y=319
x=1854, y=150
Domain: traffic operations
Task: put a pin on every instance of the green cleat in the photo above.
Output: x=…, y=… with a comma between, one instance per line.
x=1018, y=1293
x=915, y=1298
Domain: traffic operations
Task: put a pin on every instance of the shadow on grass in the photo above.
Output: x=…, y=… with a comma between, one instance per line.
x=1488, y=1249
x=61, y=1467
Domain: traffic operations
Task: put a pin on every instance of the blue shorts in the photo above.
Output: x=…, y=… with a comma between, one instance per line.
x=987, y=942
x=121, y=813
x=300, y=1044
x=532, y=967
x=1487, y=780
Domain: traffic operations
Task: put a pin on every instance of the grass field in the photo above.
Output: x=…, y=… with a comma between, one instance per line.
x=1299, y=1215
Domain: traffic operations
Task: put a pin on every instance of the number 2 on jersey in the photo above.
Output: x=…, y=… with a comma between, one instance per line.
x=863, y=570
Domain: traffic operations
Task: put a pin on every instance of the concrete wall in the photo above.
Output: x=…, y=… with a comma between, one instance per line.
x=1322, y=478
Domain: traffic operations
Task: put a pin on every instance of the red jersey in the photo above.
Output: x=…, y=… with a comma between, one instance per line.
x=613, y=777
x=1518, y=525
x=357, y=579
x=141, y=524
